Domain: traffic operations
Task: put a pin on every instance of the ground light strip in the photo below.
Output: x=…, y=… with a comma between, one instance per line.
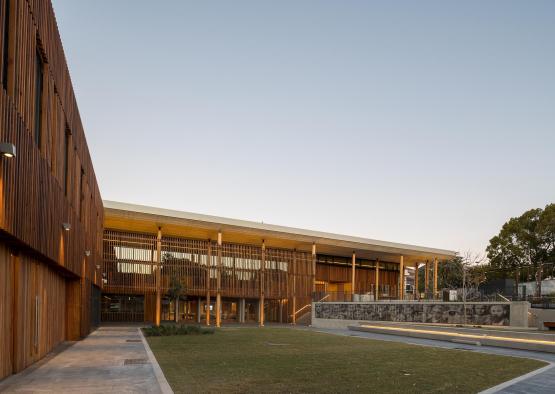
x=453, y=334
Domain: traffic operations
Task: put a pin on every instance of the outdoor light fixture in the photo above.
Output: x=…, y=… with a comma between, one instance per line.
x=66, y=226
x=7, y=149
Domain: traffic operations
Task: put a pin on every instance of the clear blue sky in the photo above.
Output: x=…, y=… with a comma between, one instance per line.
x=426, y=122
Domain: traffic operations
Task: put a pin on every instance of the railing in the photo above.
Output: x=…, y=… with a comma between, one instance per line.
x=343, y=296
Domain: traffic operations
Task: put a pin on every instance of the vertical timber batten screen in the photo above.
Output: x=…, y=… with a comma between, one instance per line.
x=129, y=267
x=129, y=264
x=51, y=270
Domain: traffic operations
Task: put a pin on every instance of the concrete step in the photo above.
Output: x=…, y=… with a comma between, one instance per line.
x=509, y=332
x=490, y=338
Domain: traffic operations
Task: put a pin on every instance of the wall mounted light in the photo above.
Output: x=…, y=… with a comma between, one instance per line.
x=66, y=226
x=87, y=253
x=7, y=150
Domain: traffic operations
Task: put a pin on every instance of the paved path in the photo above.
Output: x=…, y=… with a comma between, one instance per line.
x=541, y=383
x=96, y=364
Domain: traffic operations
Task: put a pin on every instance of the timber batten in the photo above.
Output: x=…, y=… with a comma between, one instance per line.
x=274, y=275
x=48, y=273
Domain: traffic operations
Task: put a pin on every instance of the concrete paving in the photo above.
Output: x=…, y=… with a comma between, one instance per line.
x=111, y=359
x=114, y=359
x=541, y=383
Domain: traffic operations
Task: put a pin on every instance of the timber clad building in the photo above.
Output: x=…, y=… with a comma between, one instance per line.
x=238, y=271
x=68, y=260
x=50, y=207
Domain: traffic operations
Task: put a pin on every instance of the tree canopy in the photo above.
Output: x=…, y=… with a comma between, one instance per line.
x=524, y=243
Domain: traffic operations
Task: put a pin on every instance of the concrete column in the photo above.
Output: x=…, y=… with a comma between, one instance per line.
x=242, y=310
x=401, y=293
x=158, y=277
x=219, y=282
x=377, y=271
x=435, y=277
x=416, y=293
x=353, y=273
x=199, y=310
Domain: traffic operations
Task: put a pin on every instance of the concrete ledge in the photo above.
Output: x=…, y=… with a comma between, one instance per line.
x=506, y=332
x=490, y=339
x=165, y=387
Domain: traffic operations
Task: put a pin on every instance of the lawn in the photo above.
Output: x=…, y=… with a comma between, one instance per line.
x=288, y=360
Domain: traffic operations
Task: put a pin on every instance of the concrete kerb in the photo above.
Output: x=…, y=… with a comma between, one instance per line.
x=165, y=387
x=450, y=335
x=509, y=383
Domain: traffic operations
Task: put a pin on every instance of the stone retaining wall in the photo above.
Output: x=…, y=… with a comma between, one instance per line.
x=477, y=313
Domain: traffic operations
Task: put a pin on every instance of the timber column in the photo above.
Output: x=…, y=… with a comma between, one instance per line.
x=294, y=269
x=401, y=278
x=208, y=269
x=261, y=302
x=158, y=275
x=427, y=278
x=353, y=274
x=314, y=269
x=219, y=281
x=377, y=279
x=435, y=277
x=416, y=292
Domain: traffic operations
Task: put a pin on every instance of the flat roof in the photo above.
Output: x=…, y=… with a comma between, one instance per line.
x=119, y=215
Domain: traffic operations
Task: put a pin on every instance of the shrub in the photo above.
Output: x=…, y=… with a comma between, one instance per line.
x=174, y=329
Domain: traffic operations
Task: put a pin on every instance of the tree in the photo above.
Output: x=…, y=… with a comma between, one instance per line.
x=505, y=251
x=449, y=275
x=174, y=292
x=546, y=231
x=525, y=241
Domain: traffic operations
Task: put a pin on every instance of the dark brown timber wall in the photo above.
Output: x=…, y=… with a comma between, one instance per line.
x=45, y=273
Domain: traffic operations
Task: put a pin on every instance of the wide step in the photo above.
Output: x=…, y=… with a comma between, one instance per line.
x=489, y=338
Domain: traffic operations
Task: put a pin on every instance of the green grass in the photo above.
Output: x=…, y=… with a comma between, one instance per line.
x=287, y=360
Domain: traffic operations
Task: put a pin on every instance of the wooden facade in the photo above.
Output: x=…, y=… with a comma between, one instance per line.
x=47, y=273
x=233, y=270
x=132, y=266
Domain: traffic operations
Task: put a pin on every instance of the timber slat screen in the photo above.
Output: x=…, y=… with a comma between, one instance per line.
x=333, y=278
x=130, y=264
x=50, y=182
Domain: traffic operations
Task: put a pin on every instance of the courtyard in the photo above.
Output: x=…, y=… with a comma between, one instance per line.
x=277, y=359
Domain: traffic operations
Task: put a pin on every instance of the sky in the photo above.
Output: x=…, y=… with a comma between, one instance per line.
x=429, y=122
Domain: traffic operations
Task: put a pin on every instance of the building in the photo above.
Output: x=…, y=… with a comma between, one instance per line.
x=51, y=212
x=60, y=271
x=238, y=271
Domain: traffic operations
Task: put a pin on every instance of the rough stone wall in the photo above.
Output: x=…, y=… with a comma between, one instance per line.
x=497, y=314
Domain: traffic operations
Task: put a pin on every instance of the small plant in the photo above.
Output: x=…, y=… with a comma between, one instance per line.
x=165, y=330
